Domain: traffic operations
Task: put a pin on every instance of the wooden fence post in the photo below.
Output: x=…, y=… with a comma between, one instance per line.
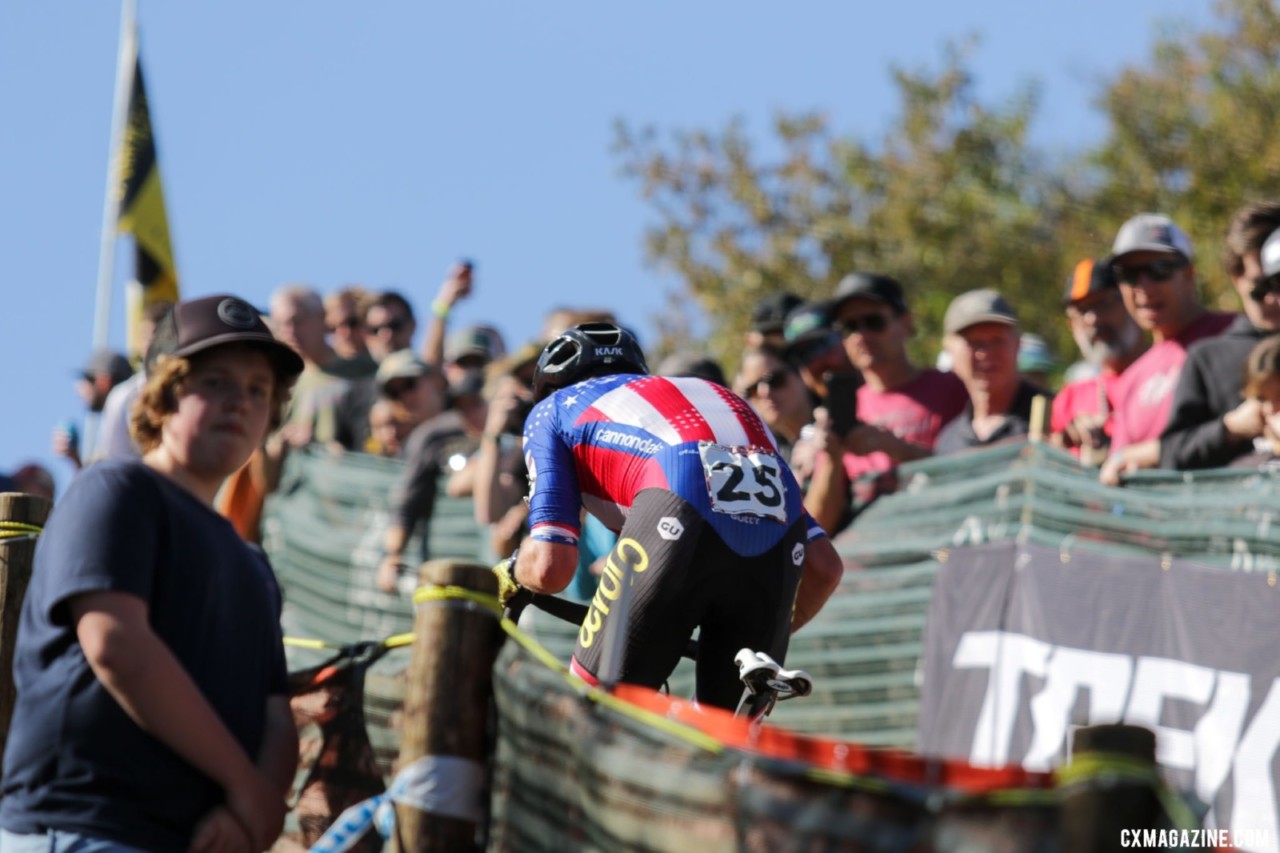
x=446, y=711
x=16, y=556
x=1095, y=809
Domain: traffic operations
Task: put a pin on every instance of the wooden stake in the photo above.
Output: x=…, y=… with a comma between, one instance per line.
x=1094, y=811
x=446, y=711
x=16, y=556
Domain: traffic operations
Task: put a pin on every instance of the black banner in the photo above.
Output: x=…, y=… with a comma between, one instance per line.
x=1024, y=644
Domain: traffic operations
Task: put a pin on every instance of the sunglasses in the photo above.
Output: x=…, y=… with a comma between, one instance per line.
x=872, y=323
x=774, y=381
x=389, y=326
x=1262, y=285
x=1155, y=271
x=345, y=323
x=397, y=387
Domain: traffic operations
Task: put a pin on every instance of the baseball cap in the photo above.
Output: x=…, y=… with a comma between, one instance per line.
x=771, y=311
x=1271, y=254
x=978, y=306
x=483, y=341
x=401, y=364
x=808, y=333
x=1151, y=232
x=684, y=363
x=868, y=285
x=1089, y=277
x=212, y=321
x=111, y=363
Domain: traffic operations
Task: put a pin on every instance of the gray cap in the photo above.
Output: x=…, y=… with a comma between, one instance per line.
x=483, y=341
x=113, y=364
x=1151, y=232
x=868, y=285
x=684, y=363
x=401, y=364
x=1271, y=254
x=978, y=306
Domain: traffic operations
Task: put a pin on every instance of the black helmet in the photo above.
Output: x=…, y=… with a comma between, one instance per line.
x=586, y=350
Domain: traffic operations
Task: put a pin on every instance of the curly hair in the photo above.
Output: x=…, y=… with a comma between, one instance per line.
x=1249, y=229
x=165, y=384
x=1262, y=364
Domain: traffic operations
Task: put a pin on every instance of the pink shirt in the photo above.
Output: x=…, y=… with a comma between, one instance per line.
x=1144, y=394
x=1081, y=398
x=915, y=412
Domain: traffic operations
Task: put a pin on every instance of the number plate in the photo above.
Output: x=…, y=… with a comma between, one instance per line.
x=744, y=481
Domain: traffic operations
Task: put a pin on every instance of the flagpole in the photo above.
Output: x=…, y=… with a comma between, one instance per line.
x=110, y=208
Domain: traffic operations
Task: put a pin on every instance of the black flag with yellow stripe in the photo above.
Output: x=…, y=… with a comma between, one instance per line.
x=142, y=213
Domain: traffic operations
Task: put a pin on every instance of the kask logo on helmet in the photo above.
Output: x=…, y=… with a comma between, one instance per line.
x=606, y=352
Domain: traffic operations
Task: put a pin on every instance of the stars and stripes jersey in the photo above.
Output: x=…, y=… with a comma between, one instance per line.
x=600, y=442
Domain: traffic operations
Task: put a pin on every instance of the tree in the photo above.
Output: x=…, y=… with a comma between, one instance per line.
x=951, y=198
x=1196, y=133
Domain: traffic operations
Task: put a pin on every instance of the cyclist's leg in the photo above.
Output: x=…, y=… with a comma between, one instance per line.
x=751, y=609
x=653, y=553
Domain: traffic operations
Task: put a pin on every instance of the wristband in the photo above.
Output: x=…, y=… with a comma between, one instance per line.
x=440, y=309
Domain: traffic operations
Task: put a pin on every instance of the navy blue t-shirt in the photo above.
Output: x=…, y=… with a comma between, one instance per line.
x=74, y=760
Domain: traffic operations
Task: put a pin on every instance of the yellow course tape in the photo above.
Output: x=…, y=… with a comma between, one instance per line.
x=1082, y=768
x=19, y=530
x=1089, y=766
x=424, y=594
x=395, y=641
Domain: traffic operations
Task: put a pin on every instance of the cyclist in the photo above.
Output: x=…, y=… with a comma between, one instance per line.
x=712, y=532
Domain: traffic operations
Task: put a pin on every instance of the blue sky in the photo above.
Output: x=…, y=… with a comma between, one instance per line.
x=333, y=143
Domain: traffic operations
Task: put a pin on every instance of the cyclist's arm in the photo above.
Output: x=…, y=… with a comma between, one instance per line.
x=546, y=567
x=823, y=569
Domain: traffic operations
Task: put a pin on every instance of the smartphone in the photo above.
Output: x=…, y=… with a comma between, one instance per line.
x=842, y=401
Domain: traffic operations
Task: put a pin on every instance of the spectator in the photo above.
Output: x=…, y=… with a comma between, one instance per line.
x=344, y=321
x=1262, y=384
x=152, y=704
x=981, y=331
x=499, y=476
x=1110, y=340
x=686, y=363
x=439, y=446
x=114, y=440
x=901, y=406
x=560, y=319
x=34, y=479
x=1210, y=423
x=472, y=348
x=412, y=385
x=387, y=432
x=1035, y=360
x=1153, y=261
x=389, y=325
x=298, y=319
x=768, y=319
x=814, y=348
x=105, y=370
x=457, y=286
x=774, y=389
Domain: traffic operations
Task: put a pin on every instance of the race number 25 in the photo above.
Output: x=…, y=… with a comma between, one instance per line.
x=743, y=481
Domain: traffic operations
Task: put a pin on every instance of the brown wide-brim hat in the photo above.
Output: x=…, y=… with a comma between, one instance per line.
x=201, y=324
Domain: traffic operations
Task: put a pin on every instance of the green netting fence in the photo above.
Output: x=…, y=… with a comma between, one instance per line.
x=324, y=529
